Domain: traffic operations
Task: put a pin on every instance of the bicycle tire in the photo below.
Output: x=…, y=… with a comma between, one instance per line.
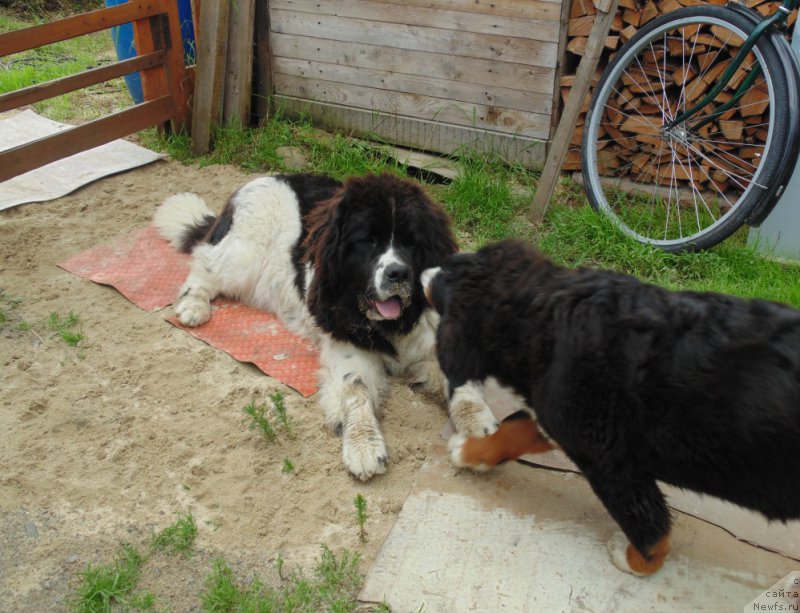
x=680, y=189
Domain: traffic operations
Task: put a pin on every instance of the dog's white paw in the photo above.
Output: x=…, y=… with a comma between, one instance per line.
x=365, y=457
x=455, y=447
x=618, y=550
x=193, y=310
x=473, y=419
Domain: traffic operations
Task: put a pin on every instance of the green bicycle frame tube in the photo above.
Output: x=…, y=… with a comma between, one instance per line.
x=779, y=17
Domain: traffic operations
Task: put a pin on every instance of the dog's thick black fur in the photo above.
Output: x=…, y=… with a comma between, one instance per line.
x=634, y=382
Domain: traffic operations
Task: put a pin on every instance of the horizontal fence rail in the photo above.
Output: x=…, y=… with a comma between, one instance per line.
x=160, y=62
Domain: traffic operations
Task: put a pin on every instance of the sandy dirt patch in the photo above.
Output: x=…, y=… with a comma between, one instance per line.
x=106, y=444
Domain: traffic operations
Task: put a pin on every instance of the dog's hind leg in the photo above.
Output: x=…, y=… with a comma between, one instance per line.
x=193, y=306
x=517, y=435
x=638, y=506
x=352, y=386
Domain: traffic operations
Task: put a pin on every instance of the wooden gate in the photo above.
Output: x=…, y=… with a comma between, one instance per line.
x=160, y=62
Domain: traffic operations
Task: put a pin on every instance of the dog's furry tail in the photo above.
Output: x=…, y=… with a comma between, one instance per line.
x=184, y=220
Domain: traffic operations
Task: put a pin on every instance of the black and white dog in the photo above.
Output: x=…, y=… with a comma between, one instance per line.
x=634, y=382
x=338, y=263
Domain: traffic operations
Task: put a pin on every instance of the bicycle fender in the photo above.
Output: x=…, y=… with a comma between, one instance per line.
x=791, y=66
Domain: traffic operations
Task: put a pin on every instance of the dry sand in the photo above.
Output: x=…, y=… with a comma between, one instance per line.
x=109, y=443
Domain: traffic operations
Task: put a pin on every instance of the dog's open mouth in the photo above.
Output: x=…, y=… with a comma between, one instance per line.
x=391, y=308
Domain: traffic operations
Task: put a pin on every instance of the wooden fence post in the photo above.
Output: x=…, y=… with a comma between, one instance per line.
x=212, y=51
x=606, y=10
x=239, y=74
x=262, y=76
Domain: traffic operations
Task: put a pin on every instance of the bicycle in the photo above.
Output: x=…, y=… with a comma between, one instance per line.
x=694, y=126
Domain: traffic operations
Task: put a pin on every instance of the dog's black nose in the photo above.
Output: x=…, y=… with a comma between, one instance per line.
x=397, y=273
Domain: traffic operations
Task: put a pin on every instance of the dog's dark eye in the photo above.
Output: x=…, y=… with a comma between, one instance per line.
x=365, y=244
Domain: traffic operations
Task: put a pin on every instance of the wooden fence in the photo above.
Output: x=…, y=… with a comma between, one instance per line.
x=165, y=81
x=432, y=74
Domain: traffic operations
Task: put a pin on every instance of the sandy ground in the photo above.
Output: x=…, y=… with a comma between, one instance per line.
x=109, y=443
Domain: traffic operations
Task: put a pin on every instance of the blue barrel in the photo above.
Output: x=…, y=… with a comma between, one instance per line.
x=126, y=48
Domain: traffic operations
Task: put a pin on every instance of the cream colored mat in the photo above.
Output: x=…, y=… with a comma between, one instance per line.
x=64, y=176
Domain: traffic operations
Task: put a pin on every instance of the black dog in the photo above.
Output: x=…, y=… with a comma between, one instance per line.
x=634, y=382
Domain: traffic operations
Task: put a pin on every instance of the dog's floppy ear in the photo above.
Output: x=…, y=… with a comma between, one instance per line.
x=434, y=284
x=322, y=241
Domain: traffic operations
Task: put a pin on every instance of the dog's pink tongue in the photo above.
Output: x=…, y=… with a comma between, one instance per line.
x=390, y=309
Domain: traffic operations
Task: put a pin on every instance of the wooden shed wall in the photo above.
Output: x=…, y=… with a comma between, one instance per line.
x=435, y=74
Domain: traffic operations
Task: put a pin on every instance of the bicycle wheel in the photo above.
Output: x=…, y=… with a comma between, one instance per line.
x=693, y=185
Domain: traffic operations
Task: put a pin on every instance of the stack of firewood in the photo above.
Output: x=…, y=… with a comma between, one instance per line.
x=626, y=117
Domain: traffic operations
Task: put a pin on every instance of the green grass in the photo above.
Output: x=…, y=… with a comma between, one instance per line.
x=104, y=586
x=113, y=586
x=280, y=410
x=177, y=538
x=8, y=306
x=361, y=517
x=580, y=237
x=333, y=587
x=288, y=466
x=65, y=328
x=259, y=421
x=266, y=421
x=59, y=60
x=488, y=199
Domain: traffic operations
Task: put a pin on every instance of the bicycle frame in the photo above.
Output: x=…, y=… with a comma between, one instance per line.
x=778, y=18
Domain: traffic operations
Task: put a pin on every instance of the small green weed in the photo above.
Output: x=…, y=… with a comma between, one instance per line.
x=113, y=585
x=280, y=409
x=334, y=587
x=177, y=538
x=288, y=466
x=8, y=304
x=361, y=516
x=104, y=586
x=64, y=328
x=259, y=420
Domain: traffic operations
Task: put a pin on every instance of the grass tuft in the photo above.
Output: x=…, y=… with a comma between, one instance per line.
x=177, y=538
x=334, y=587
x=260, y=421
x=288, y=466
x=488, y=198
x=104, y=586
x=581, y=237
x=64, y=328
x=361, y=516
x=260, y=418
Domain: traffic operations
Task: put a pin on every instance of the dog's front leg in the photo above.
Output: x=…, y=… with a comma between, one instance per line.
x=193, y=306
x=353, y=385
x=517, y=435
x=469, y=411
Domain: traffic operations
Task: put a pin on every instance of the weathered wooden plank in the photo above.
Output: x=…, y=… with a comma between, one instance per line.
x=180, y=81
x=418, y=133
x=211, y=58
x=433, y=40
x=26, y=157
x=538, y=79
x=414, y=84
x=507, y=8
x=56, y=87
x=150, y=35
x=262, y=69
x=77, y=25
x=535, y=28
x=583, y=79
x=239, y=73
x=533, y=125
x=560, y=67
